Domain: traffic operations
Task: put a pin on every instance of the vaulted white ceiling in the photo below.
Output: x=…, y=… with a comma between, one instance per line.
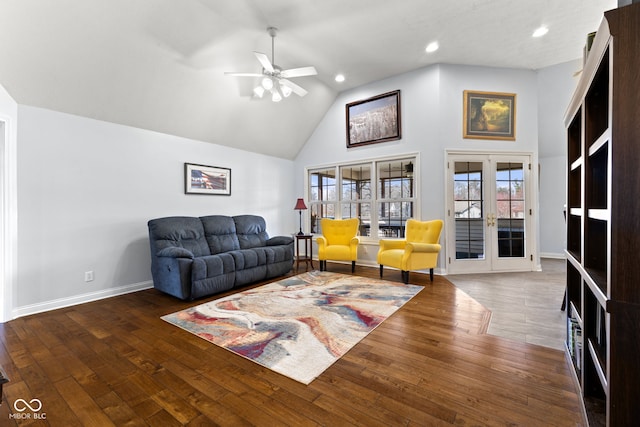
x=159, y=64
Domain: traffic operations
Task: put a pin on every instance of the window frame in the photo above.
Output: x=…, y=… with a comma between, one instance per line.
x=339, y=202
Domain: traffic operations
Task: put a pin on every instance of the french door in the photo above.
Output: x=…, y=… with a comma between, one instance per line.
x=489, y=212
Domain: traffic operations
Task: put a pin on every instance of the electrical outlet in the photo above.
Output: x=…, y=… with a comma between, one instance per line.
x=88, y=276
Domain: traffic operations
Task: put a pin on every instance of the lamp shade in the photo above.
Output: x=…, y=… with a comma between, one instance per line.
x=300, y=205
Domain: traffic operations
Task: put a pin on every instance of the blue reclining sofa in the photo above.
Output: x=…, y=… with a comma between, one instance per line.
x=195, y=257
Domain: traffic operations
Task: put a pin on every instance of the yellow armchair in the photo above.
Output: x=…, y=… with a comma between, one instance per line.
x=418, y=251
x=339, y=241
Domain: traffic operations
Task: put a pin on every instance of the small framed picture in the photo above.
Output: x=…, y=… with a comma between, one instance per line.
x=374, y=120
x=202, y=179
x=489, y=115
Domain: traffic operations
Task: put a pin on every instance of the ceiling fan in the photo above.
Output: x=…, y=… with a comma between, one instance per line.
x=274, y=79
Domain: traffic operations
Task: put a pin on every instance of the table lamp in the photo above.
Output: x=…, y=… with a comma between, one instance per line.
x=300, y=206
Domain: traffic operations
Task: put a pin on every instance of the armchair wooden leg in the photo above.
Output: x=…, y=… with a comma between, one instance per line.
x=353, y=266
x=431, y=274
x=381, y=268
x=405, y=277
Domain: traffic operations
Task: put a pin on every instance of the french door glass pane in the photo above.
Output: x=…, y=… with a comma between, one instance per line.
x=469, y=215
x=510, y=209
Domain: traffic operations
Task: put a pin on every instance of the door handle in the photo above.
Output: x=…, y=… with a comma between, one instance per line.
x=491, y=220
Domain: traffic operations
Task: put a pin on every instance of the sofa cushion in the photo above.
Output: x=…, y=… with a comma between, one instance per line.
x=220, y=232
x=248, y=258
x=251, y=231
x=211, y=266
x=178, y=231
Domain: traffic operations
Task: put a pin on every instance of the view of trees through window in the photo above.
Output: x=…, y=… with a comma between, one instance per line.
x=382, y=209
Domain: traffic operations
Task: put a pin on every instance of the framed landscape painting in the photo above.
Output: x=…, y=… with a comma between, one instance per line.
x=489, y=115
x=201, y=179
x=374, y=120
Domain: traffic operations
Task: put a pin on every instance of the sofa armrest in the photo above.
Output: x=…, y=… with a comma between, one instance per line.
x=175, y=252
x=280, y=240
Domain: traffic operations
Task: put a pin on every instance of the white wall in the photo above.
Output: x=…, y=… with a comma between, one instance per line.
x=556, y=85
x=87, y=189
x=431, y=123
x=8, y=204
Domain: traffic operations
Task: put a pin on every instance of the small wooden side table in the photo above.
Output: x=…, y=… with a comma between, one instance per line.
x=307, y=258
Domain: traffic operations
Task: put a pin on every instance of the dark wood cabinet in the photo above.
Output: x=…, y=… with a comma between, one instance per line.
x=603, y=223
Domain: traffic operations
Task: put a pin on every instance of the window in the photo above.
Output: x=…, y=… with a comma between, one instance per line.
x=322, y=196
x=356, y=194
x=395, y=197
x=380, y=193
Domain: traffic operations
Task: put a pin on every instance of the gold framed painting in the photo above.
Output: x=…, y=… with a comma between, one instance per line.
x=489, y=115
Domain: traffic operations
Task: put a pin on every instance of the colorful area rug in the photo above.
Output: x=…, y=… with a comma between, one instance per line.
x=298, y=326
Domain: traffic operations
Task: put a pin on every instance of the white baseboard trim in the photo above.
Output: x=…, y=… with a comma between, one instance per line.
x=552, y=255
x=79, y=299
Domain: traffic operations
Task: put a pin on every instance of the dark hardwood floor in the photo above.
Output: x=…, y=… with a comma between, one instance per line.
x=115, y=362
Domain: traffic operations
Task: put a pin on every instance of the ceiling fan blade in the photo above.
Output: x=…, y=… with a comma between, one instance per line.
x=229, y=73
x=264, y=60
x=294, y=87
x=299, y=72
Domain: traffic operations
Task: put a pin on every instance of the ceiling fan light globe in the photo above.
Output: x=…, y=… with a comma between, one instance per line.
x=258, y=91
x=276, y=97
x=286, y=90
x=267, y=83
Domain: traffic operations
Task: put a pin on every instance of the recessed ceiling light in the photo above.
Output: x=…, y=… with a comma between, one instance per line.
x=339, y=78
x=432, y=47
x=540, y=32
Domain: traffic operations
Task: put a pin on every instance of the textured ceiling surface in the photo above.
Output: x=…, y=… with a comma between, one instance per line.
x=159, y=64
